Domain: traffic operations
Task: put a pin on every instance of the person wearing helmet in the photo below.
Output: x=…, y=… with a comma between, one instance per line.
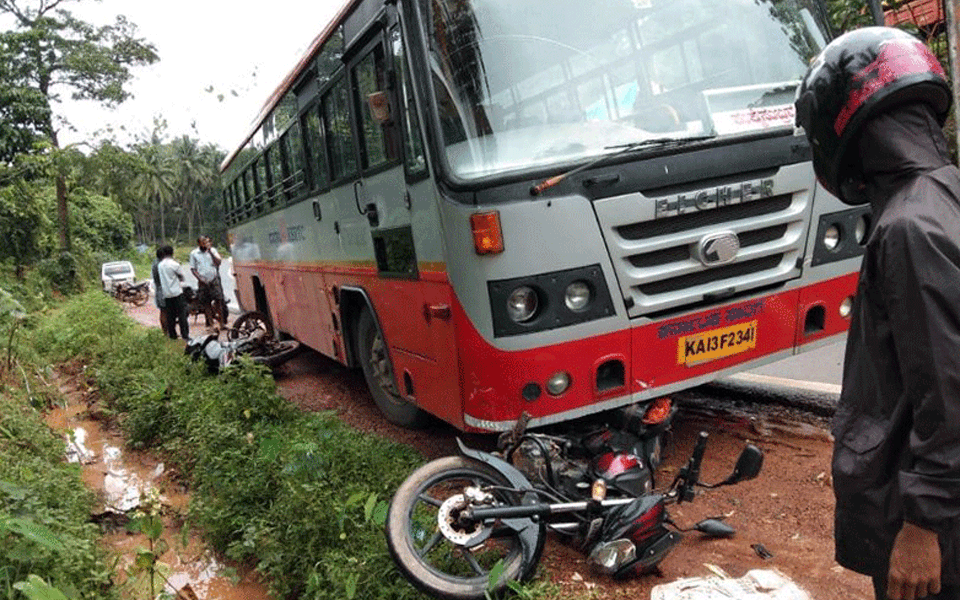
x=872, y=105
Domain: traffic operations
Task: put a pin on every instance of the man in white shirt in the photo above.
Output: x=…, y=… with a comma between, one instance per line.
x=174, y=304
x=205, y=266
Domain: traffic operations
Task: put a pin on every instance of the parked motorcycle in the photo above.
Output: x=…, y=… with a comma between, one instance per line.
x=133, y=293
x=462, y=527
x=251, y=335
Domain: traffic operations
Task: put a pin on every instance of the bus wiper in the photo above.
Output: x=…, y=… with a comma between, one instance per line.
x=664, y=142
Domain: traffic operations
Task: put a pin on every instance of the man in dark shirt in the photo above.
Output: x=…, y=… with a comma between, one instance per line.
x=872, y=105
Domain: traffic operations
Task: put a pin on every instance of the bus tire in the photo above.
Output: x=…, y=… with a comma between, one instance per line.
x=378, y=372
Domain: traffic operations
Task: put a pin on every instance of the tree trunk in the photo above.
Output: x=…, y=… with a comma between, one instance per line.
x=163, y=224
x=63, y=216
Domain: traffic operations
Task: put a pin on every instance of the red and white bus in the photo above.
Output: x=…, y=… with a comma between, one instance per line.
x=504, y=206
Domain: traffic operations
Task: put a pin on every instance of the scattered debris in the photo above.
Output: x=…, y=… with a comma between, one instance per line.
x=762, y=551
x=758, y=584
x=186, y=593
x=77, y=451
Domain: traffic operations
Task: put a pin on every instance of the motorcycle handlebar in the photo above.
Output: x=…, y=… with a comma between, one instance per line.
x=689, y=476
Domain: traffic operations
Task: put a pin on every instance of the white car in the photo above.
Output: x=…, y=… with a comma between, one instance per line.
x=113, y=273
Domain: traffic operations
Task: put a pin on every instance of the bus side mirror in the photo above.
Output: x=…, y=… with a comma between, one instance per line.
x=380, y=106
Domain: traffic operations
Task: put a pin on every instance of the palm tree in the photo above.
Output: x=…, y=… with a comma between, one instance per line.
x=193, y=176
x=157, y=180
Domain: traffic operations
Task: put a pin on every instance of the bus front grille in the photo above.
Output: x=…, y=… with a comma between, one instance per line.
x=657, y=260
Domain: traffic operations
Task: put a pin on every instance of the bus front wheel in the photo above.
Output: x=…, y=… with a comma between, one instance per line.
x=375, y=362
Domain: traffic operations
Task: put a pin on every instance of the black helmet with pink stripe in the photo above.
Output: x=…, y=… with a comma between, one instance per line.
x=860, y=74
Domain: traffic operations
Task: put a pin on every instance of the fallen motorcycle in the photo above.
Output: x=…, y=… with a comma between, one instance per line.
x=132, y=293
x=463, y=527
x=251, y=335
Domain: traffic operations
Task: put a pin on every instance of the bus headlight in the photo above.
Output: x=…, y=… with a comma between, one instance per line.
x=542, y=301
x=831, y=237
x=577, y=296
x=522, y=304
x=841, y=235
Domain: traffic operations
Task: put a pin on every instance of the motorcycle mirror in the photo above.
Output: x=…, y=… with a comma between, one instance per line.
x=714, y=528
x=748, y=465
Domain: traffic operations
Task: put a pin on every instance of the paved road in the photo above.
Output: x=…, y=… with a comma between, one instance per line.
x=813, y=375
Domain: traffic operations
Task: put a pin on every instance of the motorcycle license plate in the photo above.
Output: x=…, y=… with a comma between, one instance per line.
x=716, y=343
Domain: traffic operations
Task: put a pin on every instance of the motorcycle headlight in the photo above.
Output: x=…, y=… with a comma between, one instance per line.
x=610, y=557
x=522, y=304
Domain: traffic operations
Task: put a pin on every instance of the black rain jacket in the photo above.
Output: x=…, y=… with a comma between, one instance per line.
x=897, y=427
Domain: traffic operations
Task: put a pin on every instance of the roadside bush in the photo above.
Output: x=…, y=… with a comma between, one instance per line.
x=300, y=495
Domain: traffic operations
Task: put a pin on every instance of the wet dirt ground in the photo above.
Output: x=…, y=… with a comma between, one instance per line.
x=787, y=511
x=120, y=478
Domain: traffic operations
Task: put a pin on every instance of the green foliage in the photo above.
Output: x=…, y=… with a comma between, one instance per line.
x=35, y=588
x=847, y=15
x=300, y=495
x=23, y=222
x=11, y=315
x=97, y=222
x=44, y=513
x=24, y=112
x=147, y=574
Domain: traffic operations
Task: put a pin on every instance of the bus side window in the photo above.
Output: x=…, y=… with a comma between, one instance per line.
x=260, y=180
x=247, y=187
x=275, y=169
x=313, y=147
x=241, y=202
x=378, y=130
x=416, y=160
x=292, y=162
x=339, y=136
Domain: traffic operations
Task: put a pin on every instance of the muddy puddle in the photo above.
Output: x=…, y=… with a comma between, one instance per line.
x=122, y=479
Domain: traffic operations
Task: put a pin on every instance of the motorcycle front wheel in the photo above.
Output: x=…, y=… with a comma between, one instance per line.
x=141, y=297
x=439, y=553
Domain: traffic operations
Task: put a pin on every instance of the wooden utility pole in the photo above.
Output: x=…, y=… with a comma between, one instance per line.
x=953, y=52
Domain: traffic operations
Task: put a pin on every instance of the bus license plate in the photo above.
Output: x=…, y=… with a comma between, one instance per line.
x=716, y=343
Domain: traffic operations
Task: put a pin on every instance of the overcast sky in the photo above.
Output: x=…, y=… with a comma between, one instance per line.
x=242, y=50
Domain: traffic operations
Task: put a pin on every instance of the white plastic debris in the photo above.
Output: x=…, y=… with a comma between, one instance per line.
x=758, y=584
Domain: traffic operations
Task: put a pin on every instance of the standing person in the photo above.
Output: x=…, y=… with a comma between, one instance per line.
x=872, y=105
x=158, y=292
x=205, y=266
x=171, y=276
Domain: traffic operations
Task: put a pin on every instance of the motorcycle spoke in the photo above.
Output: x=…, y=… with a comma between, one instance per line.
x=430, y=500
x=431, y=544
x=471, y=559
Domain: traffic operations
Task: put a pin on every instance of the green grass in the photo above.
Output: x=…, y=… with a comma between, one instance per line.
x=300, y=495
x=45, y=509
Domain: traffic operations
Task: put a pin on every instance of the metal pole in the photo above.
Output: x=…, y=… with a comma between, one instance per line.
x=877, y=11
x=952, y=28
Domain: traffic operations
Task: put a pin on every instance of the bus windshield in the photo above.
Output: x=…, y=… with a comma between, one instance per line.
x=524, y=84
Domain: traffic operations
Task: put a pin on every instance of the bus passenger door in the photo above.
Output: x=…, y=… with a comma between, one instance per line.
x=393, y=200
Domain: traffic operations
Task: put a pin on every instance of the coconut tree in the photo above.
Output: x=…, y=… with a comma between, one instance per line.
x=193, y=176
x=157, y=181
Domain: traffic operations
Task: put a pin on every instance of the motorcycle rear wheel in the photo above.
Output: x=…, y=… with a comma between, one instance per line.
x=276, y=353
x=432, y=561
x=248, y=324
